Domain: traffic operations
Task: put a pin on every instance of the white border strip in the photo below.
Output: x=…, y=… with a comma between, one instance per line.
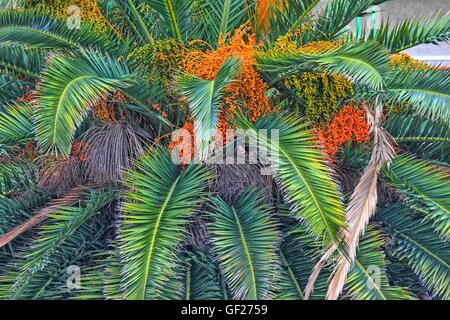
x=432, y=58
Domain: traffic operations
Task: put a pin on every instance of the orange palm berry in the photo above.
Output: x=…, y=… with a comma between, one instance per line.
x=248, y=90
x=348, y=124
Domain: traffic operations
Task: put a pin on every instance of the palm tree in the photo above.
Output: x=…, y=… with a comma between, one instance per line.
x=88, y=178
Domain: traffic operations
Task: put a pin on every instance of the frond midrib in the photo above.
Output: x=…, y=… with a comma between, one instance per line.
x=63, y=95
x=316, y=203
x=155, y=232
x=40, y=32
x=31, y=74
x=426, y=250
x=374, y=284
x=292, y=276
x=247, y=252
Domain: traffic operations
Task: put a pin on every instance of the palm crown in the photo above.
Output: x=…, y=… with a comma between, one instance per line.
x=358, y=207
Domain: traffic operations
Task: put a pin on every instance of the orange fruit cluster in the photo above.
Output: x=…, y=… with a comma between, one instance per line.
x=263, y=12
x=405, y=61
x=248, y=90
x=157, y=108
x=348, y=124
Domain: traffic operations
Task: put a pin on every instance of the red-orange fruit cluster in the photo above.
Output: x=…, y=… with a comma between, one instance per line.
x=248, y=90
x=28, y=97
x=348, y=124
x=265, y=10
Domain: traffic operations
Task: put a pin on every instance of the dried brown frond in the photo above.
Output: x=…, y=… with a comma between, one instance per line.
x=40, y=215
x=59, y=175
x=109, y=148
x=362, y=205
x=230, y=180
x=360, y=209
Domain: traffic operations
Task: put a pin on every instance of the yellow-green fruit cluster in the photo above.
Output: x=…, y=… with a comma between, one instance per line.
x=321, y=93
x=160, y=62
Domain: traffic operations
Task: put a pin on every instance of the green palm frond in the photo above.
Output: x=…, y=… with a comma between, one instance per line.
x=367, y=279
x=70, y=85
x=424, y=188
x=428, y=92
x=416, y=244
x=203, y=280
x=15, y=211
x=68, y=236
x=204, y=100
x=16, y=125
x=308, y=186
x=336, y=15
x=299, y=251
x=20, y=63
x=222, y=17
x=424, y=138
x=411, y=128
x=37, y=30
x=175, y=16
x=135, y=21
x=102, y=279
x=410, y=33
x=363, y=62
x=245, y=238
x=160, y=201
x=291, y=15
x=197, y=278
x=10, y=90
x=16, y=176
x=401, y=275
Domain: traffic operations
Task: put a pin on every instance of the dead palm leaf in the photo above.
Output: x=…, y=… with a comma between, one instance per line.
x=69, y=199
x=360, y=209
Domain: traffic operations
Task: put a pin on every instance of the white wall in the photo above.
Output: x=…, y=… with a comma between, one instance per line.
x=399, y=10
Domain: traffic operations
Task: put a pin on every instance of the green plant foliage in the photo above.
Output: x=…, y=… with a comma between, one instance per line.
x=16, y=125
x=367, y=279
x=298, y=254
x=409, y=33
x=154, y=222
x=426, y=91
x=308, y=186
x=38, y=30
x=204, y=99
x=425, y=189
x=64, y=241
x=245, y=240
x=418, y=245
x=159, y=62
x=364, y=62
x=90, y=150
x=69, y=87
